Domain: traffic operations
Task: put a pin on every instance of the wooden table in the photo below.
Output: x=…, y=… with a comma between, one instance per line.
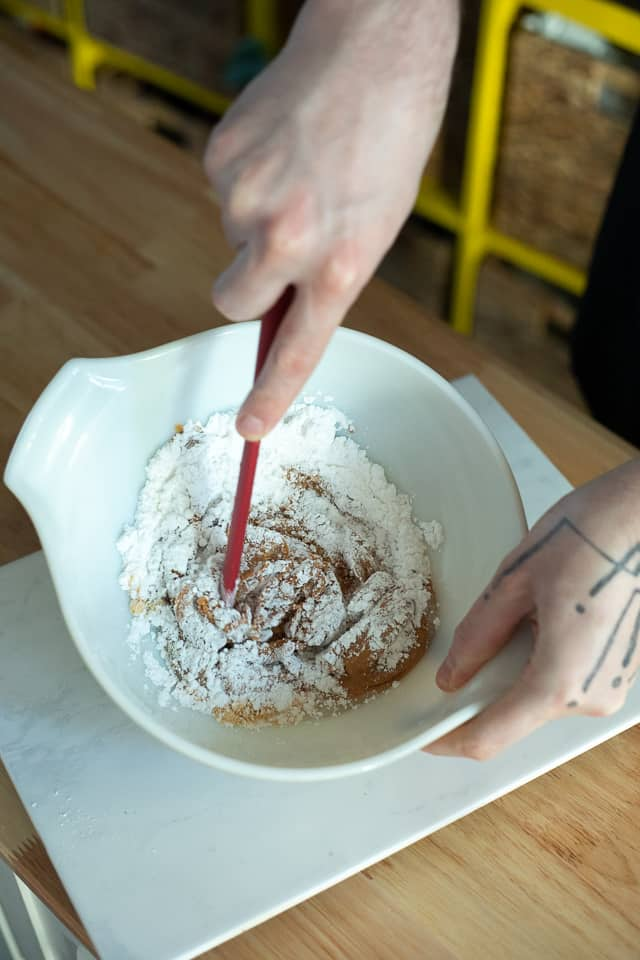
x=108, y=244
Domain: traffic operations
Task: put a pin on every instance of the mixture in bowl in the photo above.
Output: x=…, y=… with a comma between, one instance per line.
x=334, y=603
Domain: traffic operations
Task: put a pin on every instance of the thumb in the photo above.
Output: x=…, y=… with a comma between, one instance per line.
x=485, y=630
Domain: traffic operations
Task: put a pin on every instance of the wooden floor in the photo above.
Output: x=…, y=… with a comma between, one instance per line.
x=518, y=317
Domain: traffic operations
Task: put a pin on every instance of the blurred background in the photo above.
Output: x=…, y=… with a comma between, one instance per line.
x=568, y=97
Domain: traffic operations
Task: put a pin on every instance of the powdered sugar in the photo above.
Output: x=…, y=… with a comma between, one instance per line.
x=433, y=533
x=334, y=600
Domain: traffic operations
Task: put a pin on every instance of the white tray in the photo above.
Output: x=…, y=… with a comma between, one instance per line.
x=164, y=858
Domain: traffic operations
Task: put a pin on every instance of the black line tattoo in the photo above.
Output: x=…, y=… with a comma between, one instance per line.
x=618, y=567
x=633, y=642
x=629, y=563
x=609, y=643
x=542, y=542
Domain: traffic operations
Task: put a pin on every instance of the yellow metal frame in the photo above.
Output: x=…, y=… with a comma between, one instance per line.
x=476, y=238
x=88, y=54
x=470, y=221
x=262, y=23
x=35, y=16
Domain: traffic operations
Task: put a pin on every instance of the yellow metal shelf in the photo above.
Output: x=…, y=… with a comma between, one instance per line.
x=262, y=23
x=89, y=55
x=476, y=236
x=436, y=204
x=541, y=264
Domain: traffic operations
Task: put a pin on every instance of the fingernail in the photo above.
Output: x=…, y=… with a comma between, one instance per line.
x=445, y=674
x=250, y=427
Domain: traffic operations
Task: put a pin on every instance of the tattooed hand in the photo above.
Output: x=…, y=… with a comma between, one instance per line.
x=576, y=578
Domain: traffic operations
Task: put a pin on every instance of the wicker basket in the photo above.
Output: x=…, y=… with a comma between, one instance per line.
x=194, y=38
x=566, y=119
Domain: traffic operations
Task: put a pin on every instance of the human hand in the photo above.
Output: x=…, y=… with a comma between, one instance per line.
x=317, y=165
x=576, y=578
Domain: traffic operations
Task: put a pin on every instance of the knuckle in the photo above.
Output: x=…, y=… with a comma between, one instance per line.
x=288, y=233
x=238, y=203
x=341, y=270
x=245, y=195
x=279, y=238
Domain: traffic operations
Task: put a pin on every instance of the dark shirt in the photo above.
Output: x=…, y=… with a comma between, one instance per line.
x=606, y=338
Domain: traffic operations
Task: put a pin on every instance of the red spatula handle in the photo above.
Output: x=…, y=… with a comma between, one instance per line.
x=242, y=503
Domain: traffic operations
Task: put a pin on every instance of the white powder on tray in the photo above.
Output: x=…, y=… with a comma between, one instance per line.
x=334, y=601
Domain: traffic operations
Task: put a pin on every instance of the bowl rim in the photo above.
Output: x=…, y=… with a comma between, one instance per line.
x=157, y=729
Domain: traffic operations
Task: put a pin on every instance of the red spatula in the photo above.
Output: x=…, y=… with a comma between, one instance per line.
x=242, y=503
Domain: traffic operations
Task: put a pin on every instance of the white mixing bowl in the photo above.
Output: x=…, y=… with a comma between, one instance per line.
x=78, y=466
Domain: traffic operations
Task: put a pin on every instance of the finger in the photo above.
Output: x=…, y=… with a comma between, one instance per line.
x=248, y=191
x=275, y=255
x=485, y=630
x=300, y=343
x=249, y=286
x=524, y=708
x=296, y=350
